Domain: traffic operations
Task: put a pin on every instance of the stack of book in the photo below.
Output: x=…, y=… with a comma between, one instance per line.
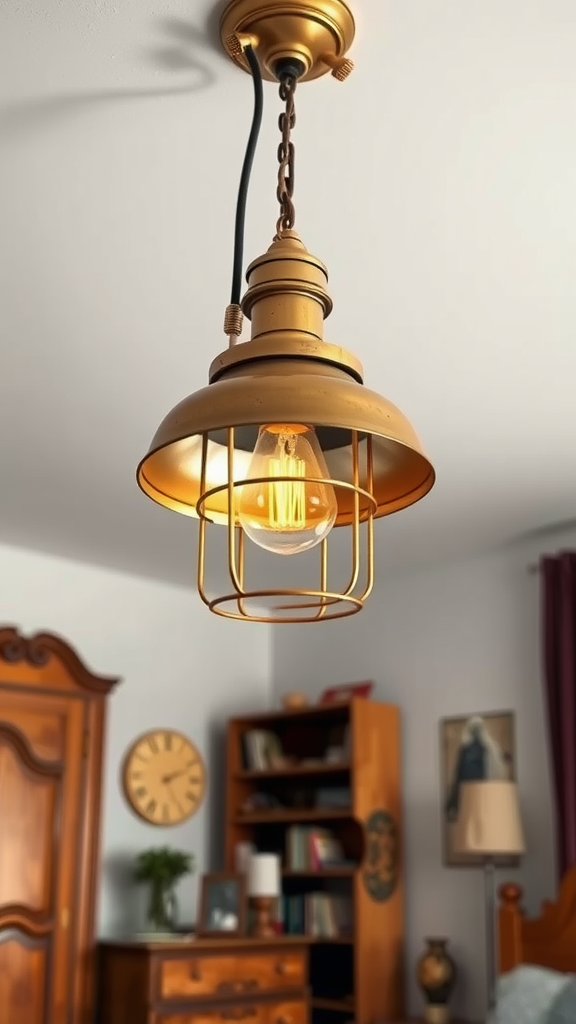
x=333, y=798
x=262, y=749
x=321, y=915
x=313, y=848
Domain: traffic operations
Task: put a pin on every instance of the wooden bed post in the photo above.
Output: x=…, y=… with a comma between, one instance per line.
x=510, y=917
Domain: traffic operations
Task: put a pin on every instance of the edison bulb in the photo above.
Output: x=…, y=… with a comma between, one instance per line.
x=296, y=513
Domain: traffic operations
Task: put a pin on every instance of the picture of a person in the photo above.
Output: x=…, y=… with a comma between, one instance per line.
x=479, y=758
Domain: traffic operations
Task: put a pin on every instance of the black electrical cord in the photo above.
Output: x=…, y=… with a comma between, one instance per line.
x=245, y=176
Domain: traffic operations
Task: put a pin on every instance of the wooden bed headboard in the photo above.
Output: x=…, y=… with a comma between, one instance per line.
x=548, y=940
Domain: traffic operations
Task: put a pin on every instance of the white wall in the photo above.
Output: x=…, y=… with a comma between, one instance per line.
x=442, y=642
x=181, y=666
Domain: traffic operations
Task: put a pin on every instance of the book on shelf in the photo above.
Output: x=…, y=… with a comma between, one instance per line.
x=332, y=798
x=320, y=915
x=262, y=749
x=313, y=848
x=325, y=850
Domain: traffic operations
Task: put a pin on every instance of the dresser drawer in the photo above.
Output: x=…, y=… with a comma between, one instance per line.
x=249, y=1013
x=228, y=976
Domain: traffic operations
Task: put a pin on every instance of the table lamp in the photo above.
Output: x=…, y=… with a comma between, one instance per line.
x=489, y=826
x=263, y=886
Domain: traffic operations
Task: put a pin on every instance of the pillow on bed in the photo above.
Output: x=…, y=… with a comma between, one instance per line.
x=526, y=995
x=563, y=1010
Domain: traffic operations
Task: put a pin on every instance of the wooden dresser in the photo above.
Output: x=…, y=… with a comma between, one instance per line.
x=204, y=981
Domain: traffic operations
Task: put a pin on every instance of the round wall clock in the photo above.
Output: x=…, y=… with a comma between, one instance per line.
x=164, y=778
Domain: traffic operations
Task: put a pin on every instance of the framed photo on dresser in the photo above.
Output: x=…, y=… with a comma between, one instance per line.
x=222, y=905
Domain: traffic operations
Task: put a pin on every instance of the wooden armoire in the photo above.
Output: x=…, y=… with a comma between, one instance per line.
x=52, y=717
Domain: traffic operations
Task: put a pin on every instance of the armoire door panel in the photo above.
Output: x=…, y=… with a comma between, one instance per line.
x=24, y=978
x=41, y=803
x=69, y=858
x=30, y=799
x=52, y=718
x=41, y=719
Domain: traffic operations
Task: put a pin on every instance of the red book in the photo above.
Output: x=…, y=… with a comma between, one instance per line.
x=346, y=692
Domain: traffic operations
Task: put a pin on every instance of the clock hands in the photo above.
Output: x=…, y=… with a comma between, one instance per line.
x=167, y=779
x=173, y=796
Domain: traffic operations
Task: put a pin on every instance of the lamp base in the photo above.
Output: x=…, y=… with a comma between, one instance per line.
x=318, y=33
x=262, y=927
x=434, y=1014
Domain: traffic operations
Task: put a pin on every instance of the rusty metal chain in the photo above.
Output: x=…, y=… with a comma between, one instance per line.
x=286, y=157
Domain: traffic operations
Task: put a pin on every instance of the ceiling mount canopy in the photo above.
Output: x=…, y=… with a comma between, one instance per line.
x=317, y=33
x=285, y=443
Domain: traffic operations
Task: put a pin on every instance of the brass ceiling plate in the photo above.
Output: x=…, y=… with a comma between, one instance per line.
x=317, y=32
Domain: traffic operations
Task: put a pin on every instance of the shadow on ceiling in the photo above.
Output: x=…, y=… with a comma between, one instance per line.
x=213, y=27
x=38, y=113
x=548, y=530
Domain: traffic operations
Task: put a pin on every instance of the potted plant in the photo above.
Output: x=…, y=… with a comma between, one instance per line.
x=162, y=867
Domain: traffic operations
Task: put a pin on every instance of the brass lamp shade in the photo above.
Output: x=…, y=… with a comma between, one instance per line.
x=311, y=391
x=199, y=457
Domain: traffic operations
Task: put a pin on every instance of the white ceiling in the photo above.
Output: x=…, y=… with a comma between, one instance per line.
x=438, y=184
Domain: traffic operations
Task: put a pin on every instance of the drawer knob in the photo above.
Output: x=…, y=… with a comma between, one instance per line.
x=281, y=969
x=195, y=973
x=282, y=1020
x=238, y=1013
x=232, y=988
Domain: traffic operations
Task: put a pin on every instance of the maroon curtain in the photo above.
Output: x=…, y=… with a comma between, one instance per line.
x=559, y=625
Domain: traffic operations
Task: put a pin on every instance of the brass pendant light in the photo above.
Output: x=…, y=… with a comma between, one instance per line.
x=285, y=443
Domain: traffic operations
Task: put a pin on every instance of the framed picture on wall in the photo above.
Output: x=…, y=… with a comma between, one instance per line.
x=473, y=748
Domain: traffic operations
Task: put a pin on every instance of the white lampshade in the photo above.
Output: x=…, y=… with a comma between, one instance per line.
x=264, y=874
x=489, y=821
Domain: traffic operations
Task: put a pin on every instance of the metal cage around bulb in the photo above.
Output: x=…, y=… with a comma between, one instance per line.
x=198, y=458
x=294, y=604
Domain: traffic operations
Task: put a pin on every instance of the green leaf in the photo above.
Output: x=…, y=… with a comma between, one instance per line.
x=163, y=864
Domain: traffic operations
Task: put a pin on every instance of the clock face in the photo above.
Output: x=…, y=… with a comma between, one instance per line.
x=164, y=777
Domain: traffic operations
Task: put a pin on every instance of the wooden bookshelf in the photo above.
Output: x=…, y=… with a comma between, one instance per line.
x=297, y=771
x=356, y=975
x=291, y=815
x=336, y=1005
x=330, y=872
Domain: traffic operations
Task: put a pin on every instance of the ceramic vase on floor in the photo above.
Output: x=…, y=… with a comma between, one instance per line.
x=436, y=974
